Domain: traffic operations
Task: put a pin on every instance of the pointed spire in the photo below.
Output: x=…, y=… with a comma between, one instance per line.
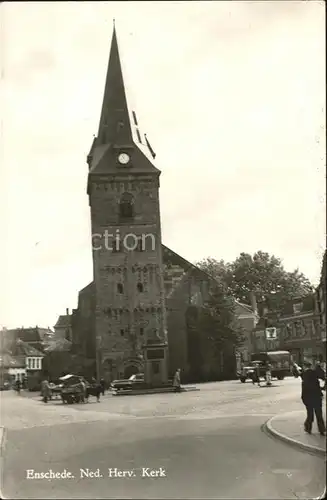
x=114, y=127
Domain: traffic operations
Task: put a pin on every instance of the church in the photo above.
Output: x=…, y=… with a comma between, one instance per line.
x=141, y=291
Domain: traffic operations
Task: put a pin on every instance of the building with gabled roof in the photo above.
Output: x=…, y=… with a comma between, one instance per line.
x=34, y=336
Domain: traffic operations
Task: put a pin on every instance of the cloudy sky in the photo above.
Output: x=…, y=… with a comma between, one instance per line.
x=231, y=96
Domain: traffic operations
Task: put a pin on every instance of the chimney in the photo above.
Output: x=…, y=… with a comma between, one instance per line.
x=254, y=302
x=67, y=311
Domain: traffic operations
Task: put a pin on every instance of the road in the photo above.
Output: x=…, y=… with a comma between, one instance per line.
x=207, y=444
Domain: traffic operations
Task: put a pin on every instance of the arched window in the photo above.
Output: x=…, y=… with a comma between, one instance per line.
x=126, y=206
x=120, y=288
x=140, y=287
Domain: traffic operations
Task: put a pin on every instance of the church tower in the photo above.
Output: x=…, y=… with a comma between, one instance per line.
x=123, y=190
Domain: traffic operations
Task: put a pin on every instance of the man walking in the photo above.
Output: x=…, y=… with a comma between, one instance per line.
x=45, y=390
x=18, y=386
x=268, y=375
x=256, y=374
x=177, y=380
x=103, y=386
x=312, y=398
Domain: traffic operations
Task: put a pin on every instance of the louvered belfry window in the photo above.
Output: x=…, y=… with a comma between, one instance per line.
x=126, y=206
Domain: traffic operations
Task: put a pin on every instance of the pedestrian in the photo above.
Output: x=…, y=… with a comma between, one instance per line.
x=18, y=386
x=103, y=386
x=45, y=390
x=177, y=380
x=256, y=374
x=82, y=387
x=268, y=375
x=312, y=398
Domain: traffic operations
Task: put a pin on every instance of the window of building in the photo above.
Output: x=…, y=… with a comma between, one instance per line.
x=140, y=287
x=122, y=332
x=126, y=206
x=33, y=363
x=120, y=288
x=141, y=331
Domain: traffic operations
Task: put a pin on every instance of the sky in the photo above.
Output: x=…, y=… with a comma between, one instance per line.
x=232, y=98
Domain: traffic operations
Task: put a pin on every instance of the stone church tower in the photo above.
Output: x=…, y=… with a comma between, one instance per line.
x=123, y=190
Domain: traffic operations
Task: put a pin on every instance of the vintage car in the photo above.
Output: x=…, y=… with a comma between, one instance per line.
x=279, y=361
x=136, y=381
x=249, y=371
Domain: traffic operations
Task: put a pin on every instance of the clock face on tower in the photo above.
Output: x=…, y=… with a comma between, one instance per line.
x=123, y=158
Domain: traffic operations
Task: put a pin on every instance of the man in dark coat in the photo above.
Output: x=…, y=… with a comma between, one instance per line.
x=312, y=398
x=103, y=386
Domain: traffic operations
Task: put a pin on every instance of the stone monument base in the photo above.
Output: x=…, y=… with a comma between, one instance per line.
x=155, y=364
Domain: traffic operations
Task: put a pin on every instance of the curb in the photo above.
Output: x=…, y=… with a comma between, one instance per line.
x=323, y=495
x=294, y=442
x=166, y=390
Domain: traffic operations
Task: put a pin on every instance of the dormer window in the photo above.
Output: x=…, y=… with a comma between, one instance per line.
x=126, y=209
x=120, y=288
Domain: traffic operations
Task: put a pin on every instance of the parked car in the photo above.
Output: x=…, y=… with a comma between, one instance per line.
x=136, y=381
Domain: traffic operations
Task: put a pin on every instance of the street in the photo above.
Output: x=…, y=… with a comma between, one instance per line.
x=203, y=444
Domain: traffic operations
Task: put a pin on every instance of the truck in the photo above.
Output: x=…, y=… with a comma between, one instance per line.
x=280, y=362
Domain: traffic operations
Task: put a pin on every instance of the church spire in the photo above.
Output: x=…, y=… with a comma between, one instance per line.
x=118, y=134
x=115, y=126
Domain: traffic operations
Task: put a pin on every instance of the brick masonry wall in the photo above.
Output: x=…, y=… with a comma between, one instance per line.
x=124, y=320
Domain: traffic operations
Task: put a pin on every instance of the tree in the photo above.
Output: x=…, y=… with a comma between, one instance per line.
x=217, y=269
x=262, y=274
x=213, y=334
x=218, y=321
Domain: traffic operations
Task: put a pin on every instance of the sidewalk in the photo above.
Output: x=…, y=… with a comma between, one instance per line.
x=289, y=428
